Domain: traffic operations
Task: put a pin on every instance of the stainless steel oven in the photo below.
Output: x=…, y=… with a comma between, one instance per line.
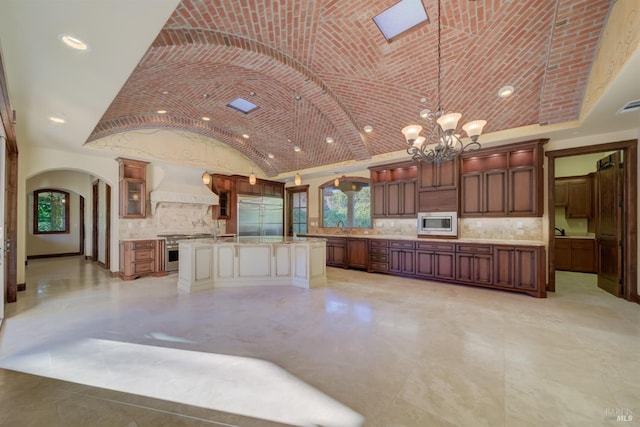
x=171, y=257
x=438, y=224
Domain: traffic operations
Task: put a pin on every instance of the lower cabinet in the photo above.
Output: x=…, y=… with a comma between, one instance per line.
x=402, y=257
x=357, y=253
x=520, y=268
x=140, y=258
x=435, y=260
x=475, y=264
x=578, y=255
x=337, y=252
x=378, y=256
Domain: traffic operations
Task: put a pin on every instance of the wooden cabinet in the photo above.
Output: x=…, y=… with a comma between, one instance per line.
x=435, y=260
x=520, y=268
x=222, y=186
x=474, y=264
x=402, y=257
x=576, y=195
x=337, y=251
x=502, y=181
x=141, y=258
x=133, y=188
x=244, y=187
x=378, y=256
x=357, y=253
x=579, y=255
x=394, y=190
x=438, y=187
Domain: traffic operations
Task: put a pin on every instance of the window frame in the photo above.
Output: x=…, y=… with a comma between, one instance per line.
x=330, y=183
x=291, y=191
x=66, y=202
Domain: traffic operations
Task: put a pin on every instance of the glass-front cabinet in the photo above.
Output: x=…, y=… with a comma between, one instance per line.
x=133, y=188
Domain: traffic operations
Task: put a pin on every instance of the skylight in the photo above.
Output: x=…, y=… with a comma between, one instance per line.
x=400, y=17
x=242, y=105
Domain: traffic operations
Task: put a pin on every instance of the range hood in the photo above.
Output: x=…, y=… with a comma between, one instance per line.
x=181, y=185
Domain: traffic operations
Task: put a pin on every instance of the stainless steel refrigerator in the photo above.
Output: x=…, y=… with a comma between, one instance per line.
x=260, y=216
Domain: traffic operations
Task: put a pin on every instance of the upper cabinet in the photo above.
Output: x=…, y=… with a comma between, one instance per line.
x=503, y=181
x=438, y=186
x=575, y=194
x=393, y=190
x=133, y=188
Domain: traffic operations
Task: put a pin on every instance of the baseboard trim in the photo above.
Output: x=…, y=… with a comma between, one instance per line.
x=53, y=255
x=101, y=264
x=88, y=258
x=21, y=287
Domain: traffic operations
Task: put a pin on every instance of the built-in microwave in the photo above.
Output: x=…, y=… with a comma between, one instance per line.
x=438, y=224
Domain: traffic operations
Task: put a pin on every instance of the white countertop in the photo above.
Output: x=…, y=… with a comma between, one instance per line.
x=254, y=240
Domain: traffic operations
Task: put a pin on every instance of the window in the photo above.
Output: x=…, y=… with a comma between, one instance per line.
x=50, y=211
x=298, y=210
x=348, y=204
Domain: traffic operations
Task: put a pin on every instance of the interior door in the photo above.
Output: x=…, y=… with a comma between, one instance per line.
x=3, y=265
x=609, y=230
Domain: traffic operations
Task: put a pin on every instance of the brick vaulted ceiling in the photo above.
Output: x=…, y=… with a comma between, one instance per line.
x=331, y=55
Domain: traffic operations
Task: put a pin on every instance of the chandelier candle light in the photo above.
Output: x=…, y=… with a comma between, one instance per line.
x=442, y=144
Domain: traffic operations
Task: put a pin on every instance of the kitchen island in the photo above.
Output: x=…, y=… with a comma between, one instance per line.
x=251, y=261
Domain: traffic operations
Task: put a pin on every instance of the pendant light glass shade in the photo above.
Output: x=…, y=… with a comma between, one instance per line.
x=252, y=178
x=297, y=180
x=206, y=178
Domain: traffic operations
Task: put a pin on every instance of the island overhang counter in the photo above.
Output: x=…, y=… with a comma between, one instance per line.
x=251, y=261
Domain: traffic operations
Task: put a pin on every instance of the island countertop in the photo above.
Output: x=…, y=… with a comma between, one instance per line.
x=253, y=240
x=431, y=239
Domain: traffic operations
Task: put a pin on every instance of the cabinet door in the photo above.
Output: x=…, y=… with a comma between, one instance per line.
x=447, y=175
x=427, y=178
x=402, y=261
x=378, y=201
x=523, y=191
x=133, y=198
x=562, y=193
x=445, y=265
x=464, y=270
x=562, y=254
x=579, y=205
x=394, y=198
x=425, y=266
x=409, y=198
x=583, y=255
x=503, y=267
x=526, y=272
x=471, y=194
x=357, y=253
x=483, y=269
x=495, y=193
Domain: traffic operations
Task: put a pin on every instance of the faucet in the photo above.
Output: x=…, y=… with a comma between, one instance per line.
x=561, y=230
x=340, y=225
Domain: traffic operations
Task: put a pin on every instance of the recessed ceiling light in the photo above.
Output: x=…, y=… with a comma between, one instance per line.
x=329, y=140
x=245, y=136
x=296, y=148
x=271, y=156
x=298, y=97
x=73, y=42
x=506, y=91
x=368, y=129
x=206, y=119
x=161, y=111
x=57, y=119
x=165, y=92
x=400, y=17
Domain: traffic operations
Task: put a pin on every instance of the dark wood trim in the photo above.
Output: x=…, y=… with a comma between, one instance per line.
x=22, y=287
x=289, y=192
x=95, y=192
x=82, y=230
x=67, y=202
x=88, y=258
x=107, y=227
x=54, y=255
x=630, y=149
x=101, y=264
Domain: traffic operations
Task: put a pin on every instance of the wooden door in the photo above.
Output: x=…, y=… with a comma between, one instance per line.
x=94, y=220
x=609, y=224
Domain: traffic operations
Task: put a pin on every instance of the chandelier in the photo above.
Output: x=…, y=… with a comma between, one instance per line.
x=442, y=143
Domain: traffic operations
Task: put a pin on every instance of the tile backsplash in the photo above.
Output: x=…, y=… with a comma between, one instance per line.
x=172, y=218
x=470, y=228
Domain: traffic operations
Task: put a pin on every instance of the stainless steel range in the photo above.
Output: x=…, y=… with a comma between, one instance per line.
x=171, y=248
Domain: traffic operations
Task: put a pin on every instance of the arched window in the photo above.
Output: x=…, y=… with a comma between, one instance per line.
x=347, y=204
x=50, y=211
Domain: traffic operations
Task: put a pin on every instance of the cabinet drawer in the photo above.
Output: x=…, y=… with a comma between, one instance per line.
x=440, y=247
x=337, y=242
x=143, y=267
x=145, y=244
x=142, y=255
x=474, y=249
x=401, y=245
x=375, y=250
x=378, y=258
x=375, y=243
x=378, y=266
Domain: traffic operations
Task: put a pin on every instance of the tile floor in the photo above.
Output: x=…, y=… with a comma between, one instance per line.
x=81, y=348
